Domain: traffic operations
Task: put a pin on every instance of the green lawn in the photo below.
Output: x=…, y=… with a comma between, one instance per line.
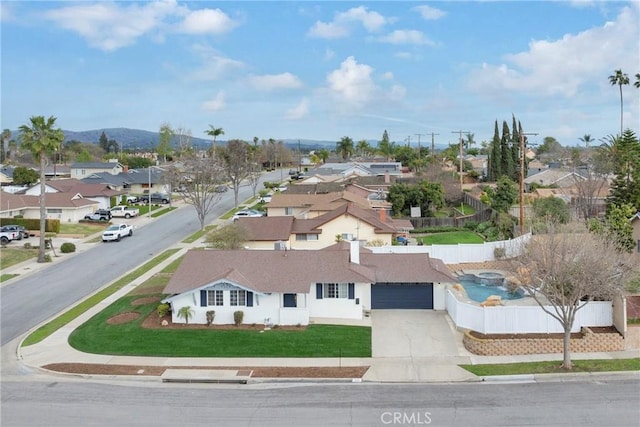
x=55, y=324
x=198, y=234
x=16, y=255
x=451, y=238
x=4, y=277
x=97, y=336
x=83, y=229
x=553, y=367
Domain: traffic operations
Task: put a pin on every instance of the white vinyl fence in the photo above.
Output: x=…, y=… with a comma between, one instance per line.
x=522, y=319
x=462, y=252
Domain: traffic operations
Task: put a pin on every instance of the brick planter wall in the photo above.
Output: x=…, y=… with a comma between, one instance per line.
x=590, y=342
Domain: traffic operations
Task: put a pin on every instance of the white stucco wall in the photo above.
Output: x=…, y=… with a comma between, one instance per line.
x=342, y=308
x=439, y=296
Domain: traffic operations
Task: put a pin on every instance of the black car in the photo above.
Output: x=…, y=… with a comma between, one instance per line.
x=22, y=233
x=155, y=198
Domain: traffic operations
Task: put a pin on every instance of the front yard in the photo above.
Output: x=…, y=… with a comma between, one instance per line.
x=104, y=334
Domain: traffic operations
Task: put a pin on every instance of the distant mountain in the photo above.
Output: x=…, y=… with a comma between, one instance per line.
x=129, y=139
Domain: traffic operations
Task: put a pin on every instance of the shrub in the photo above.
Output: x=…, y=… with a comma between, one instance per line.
x=67, y=248
x=47, y=258
x=163, y=309
x=211, y=314
x=499, y=253
x=237, y=317
x=27, y=245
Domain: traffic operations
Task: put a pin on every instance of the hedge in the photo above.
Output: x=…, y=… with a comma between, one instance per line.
x=50, y=225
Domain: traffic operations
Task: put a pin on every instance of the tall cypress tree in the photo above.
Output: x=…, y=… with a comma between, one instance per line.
x=495, y=169
x=506, y=159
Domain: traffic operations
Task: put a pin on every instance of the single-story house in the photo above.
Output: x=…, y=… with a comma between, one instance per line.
x=348, y=221
x=76, y=189
x=282, y=287
x=553, y=177
x=66, y=207
x=310, y=205
x=134, y=181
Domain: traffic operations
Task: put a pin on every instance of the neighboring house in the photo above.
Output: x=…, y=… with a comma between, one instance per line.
x=82, y=170
x=57, y=171
x=66, y=207
x=99, y=193
x=535, y=166
x=6, y=174
x=338, y=283
x=479, y=163
x=134, y=181
x=348, y=222
x=554, y=177
x=635, y=223
x=310, y=205
x=358, y=169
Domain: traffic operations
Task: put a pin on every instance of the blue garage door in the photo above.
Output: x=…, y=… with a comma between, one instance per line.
x=402, y=296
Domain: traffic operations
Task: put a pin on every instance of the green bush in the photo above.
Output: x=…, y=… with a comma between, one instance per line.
x=471, y=225
x=67, y=248
x=163, y=309
x=499, y=253
x=237, y=317
x=47, y=258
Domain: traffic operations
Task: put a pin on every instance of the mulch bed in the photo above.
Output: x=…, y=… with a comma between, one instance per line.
x=154, y=322
x=121, y=318
x=258, y=372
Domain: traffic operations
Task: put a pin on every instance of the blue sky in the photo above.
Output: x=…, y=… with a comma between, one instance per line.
x=323, y=70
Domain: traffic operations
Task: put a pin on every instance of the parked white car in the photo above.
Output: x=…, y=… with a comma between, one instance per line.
x=247, y=213
x=117, y=232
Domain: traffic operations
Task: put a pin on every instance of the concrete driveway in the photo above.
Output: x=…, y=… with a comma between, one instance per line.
x=416, y=345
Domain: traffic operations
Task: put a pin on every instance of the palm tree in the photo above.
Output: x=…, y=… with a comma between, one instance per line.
x=586, y=139
x=6, y=136
x=41, y=139
x=637, y=82
x=344, y=147
x=619, y=78
x=186, y=313
x=363, y=148
x=214, y=132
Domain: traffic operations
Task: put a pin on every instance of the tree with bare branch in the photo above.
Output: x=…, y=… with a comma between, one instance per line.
x=236, y=162
x=563, y=272
x=198, y=179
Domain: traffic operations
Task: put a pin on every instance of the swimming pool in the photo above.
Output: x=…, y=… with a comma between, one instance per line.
x=479, y=289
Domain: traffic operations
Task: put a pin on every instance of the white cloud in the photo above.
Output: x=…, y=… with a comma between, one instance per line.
x=564, y=66
x=207, y=21
x=397, y=93
x=388, y=75
x=215, y=66
x=215, y=104
x=352, y=83
x=275, y=81
x=108, y=26
x=299, y=111
x=407, y=55
x=343, y=23
x=329, y=54
x=429, y=13
x=414, y=37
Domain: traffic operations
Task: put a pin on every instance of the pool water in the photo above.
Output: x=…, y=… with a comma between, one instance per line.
x=480, y=292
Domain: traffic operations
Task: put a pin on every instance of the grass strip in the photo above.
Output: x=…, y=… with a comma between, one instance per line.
x=47, y=329
x=4, y=277
x=553, y=367
x=198, y=234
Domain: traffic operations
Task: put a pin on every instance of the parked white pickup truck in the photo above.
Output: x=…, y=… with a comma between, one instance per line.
x=124, y=212
x=117, y=232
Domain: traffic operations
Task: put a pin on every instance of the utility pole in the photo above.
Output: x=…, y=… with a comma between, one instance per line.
x=433, y=147
x=522, y=147
x=460, y=132
x=408, y=141
x=419, y=135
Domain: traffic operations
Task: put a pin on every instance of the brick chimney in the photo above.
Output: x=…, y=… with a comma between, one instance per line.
x=382, y=214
